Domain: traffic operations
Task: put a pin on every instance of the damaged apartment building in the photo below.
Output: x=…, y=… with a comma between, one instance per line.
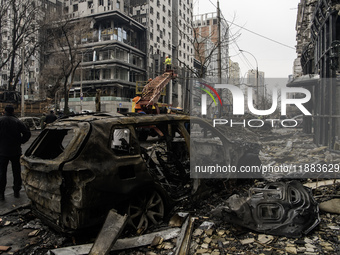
x=128, y=44
x=317, y=68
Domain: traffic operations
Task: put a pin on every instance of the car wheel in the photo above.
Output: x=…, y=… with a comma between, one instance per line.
x=146, y=209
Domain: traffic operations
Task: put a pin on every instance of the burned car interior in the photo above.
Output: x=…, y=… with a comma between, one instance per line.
x=80, y=167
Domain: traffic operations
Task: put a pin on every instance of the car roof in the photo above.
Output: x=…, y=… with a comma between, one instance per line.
x=129, y=118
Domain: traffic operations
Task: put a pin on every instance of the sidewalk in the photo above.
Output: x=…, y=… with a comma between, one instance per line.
x=11, y=203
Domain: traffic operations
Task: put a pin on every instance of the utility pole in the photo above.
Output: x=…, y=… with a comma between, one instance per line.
x=23, y=80
x=219, y=55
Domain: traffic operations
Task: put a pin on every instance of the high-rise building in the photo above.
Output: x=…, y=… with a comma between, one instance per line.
x=114, y=53
x=169, y=33
x=207, y=36
x=255, y=79
x=129, y=43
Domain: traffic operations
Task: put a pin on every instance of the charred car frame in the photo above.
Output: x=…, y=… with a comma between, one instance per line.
x=80, y=167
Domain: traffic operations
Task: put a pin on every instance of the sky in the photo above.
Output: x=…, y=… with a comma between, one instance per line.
x=273, y=19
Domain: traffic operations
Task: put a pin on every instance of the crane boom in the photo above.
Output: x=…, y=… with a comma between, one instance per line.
x=152, y=91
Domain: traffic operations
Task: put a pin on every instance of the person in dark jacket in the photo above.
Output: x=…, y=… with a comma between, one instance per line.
x=13, y=133
x=50, y=117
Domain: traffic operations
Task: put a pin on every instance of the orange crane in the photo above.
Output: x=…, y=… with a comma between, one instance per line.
x=151, y=93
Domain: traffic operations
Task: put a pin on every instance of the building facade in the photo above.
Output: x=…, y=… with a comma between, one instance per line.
x=169, y=33
x=113, y=53
x=318, y=49
x=130, y=42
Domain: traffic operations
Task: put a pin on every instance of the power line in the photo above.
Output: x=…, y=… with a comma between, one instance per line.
x=261, y=35
x=250, y=31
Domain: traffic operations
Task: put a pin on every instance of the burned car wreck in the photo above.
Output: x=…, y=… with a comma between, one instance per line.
x=284, y=209
x=80, y=167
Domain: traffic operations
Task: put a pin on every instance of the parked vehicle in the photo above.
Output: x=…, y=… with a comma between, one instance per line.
x=33, y=123
x=80, y=167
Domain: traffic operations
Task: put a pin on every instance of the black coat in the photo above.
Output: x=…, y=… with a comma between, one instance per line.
x=50, y=118
x=13, y=133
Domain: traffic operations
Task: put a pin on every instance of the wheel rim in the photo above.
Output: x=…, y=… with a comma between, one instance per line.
x=145, y=210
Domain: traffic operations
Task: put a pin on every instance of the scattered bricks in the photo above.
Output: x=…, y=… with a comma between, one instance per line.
x=264, y=239
x=205, y=246
x=247, y=241
x=301, y=249
x=198, y=232
x=207, y=240
x=309, y=249
x=201, y=251
x=209, y=232
x=168, y=246
x=291, y=249
x=220, y=232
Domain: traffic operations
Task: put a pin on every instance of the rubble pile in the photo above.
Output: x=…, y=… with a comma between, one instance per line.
x=199, y=230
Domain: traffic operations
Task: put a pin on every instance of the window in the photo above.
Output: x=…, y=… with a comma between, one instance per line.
x=164, y=20
x=75, y=7
x=101, y=2
x=118, y=5
x=122, y=142
x=151, y=10
x=164, y=10
x=158, y=15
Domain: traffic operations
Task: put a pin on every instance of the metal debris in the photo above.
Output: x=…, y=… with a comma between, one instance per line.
x=285, y=209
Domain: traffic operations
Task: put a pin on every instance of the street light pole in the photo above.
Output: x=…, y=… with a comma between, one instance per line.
x=22, y=80
x=257, y=76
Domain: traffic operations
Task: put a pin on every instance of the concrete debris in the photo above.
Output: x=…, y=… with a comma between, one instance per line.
x=314, y=185
x=206, y=225
x=121, y=244
x=202, y=232
x=4, y=248
x=331, y=206
x=111, y=230
x=178, y=219
x=247, y=241
x=265, y=239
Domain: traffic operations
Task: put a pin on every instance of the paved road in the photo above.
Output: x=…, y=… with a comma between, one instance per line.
x=10, y=202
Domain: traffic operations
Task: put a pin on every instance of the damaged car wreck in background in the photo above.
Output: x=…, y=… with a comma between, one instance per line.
x=80, y=167
x=284, y=209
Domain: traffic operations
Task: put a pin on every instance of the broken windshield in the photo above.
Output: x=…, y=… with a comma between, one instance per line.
x=52, y=143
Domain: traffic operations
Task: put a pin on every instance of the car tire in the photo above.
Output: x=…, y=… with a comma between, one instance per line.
x=146, y=209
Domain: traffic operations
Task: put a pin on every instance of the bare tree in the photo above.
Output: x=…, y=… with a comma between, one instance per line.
x=19, y=21
x=205, y=46
x=64, y=53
